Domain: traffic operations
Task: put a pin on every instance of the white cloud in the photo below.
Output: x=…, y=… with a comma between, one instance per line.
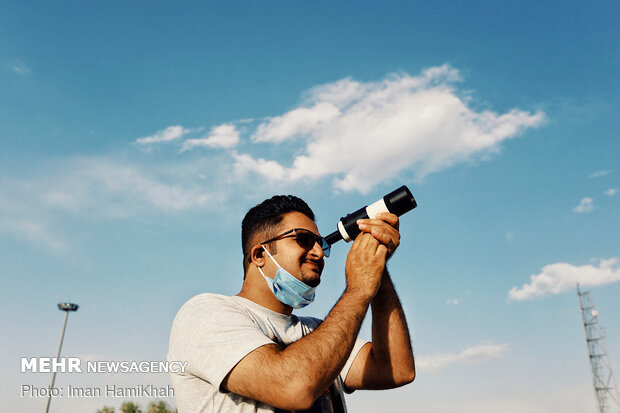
x=270, y=169
x=33, y=232
x=360, y=134
x=17, y=66
x=222, y=136
x=586, y=205
x=509, y=236
x=103, y=187
x=611, y=192
x=472, y=355
x=23, y=221
x=511, y=395
x=37, y=210
x=453, y=301
x=171, y=133
x=598, y=174
x=299, y=121
x=119, y=189
x=562, y=277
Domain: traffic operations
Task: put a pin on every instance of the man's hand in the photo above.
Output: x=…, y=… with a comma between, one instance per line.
x=372, y=247
x=365, y=264
x=384, y=228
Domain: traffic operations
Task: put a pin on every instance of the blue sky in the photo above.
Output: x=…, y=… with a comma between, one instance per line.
x=135, y=136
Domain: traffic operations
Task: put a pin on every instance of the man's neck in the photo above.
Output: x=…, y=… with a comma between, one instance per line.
x=255, y=289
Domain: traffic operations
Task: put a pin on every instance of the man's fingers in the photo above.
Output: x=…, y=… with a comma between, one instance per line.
x=365, y=241
x=367, y=224
x=383, y=219
x=384, y=233
x=385, y=236
x=360, y=242
x=382, y=251
x=390, y=218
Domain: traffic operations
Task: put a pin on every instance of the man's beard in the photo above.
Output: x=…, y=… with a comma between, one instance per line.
x=311, y=278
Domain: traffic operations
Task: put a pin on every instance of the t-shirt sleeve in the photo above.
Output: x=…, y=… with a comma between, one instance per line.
x=213, y=334
x=359, y=343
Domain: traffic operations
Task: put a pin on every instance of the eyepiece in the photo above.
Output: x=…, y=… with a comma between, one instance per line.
x=333, y=237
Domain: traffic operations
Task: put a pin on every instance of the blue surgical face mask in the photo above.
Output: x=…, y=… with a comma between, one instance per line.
x=288, y=289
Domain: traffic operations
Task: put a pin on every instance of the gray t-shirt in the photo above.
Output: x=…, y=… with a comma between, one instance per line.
x=214, y=332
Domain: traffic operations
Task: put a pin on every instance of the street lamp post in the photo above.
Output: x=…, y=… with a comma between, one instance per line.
x=66, y=307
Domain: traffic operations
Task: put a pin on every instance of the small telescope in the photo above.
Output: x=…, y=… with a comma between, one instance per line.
x=396, y=202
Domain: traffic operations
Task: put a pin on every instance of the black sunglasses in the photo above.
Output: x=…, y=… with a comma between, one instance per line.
x=305, y=239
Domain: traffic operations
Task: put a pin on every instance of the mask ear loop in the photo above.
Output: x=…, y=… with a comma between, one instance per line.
x=270, y=256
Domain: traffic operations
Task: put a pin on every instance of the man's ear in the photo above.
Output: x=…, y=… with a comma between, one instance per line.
x=257, y=255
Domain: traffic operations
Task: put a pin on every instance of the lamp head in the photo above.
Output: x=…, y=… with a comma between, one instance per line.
x=68, y=306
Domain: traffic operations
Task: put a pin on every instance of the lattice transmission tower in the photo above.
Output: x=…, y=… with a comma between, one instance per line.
x=602, y=374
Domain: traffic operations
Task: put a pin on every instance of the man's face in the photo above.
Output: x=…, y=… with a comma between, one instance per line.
x=305, y=265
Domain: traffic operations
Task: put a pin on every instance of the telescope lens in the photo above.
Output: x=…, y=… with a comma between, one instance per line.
x=400, y=201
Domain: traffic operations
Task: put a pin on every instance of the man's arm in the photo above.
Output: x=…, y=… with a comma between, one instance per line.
x=294, y=377
x=387, y=362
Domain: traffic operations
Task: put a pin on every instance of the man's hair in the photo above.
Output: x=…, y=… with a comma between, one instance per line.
x=261, y=221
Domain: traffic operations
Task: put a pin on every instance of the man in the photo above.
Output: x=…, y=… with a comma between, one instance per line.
x=248, y=353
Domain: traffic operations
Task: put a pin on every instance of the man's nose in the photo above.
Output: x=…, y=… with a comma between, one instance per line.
x=317, y=250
